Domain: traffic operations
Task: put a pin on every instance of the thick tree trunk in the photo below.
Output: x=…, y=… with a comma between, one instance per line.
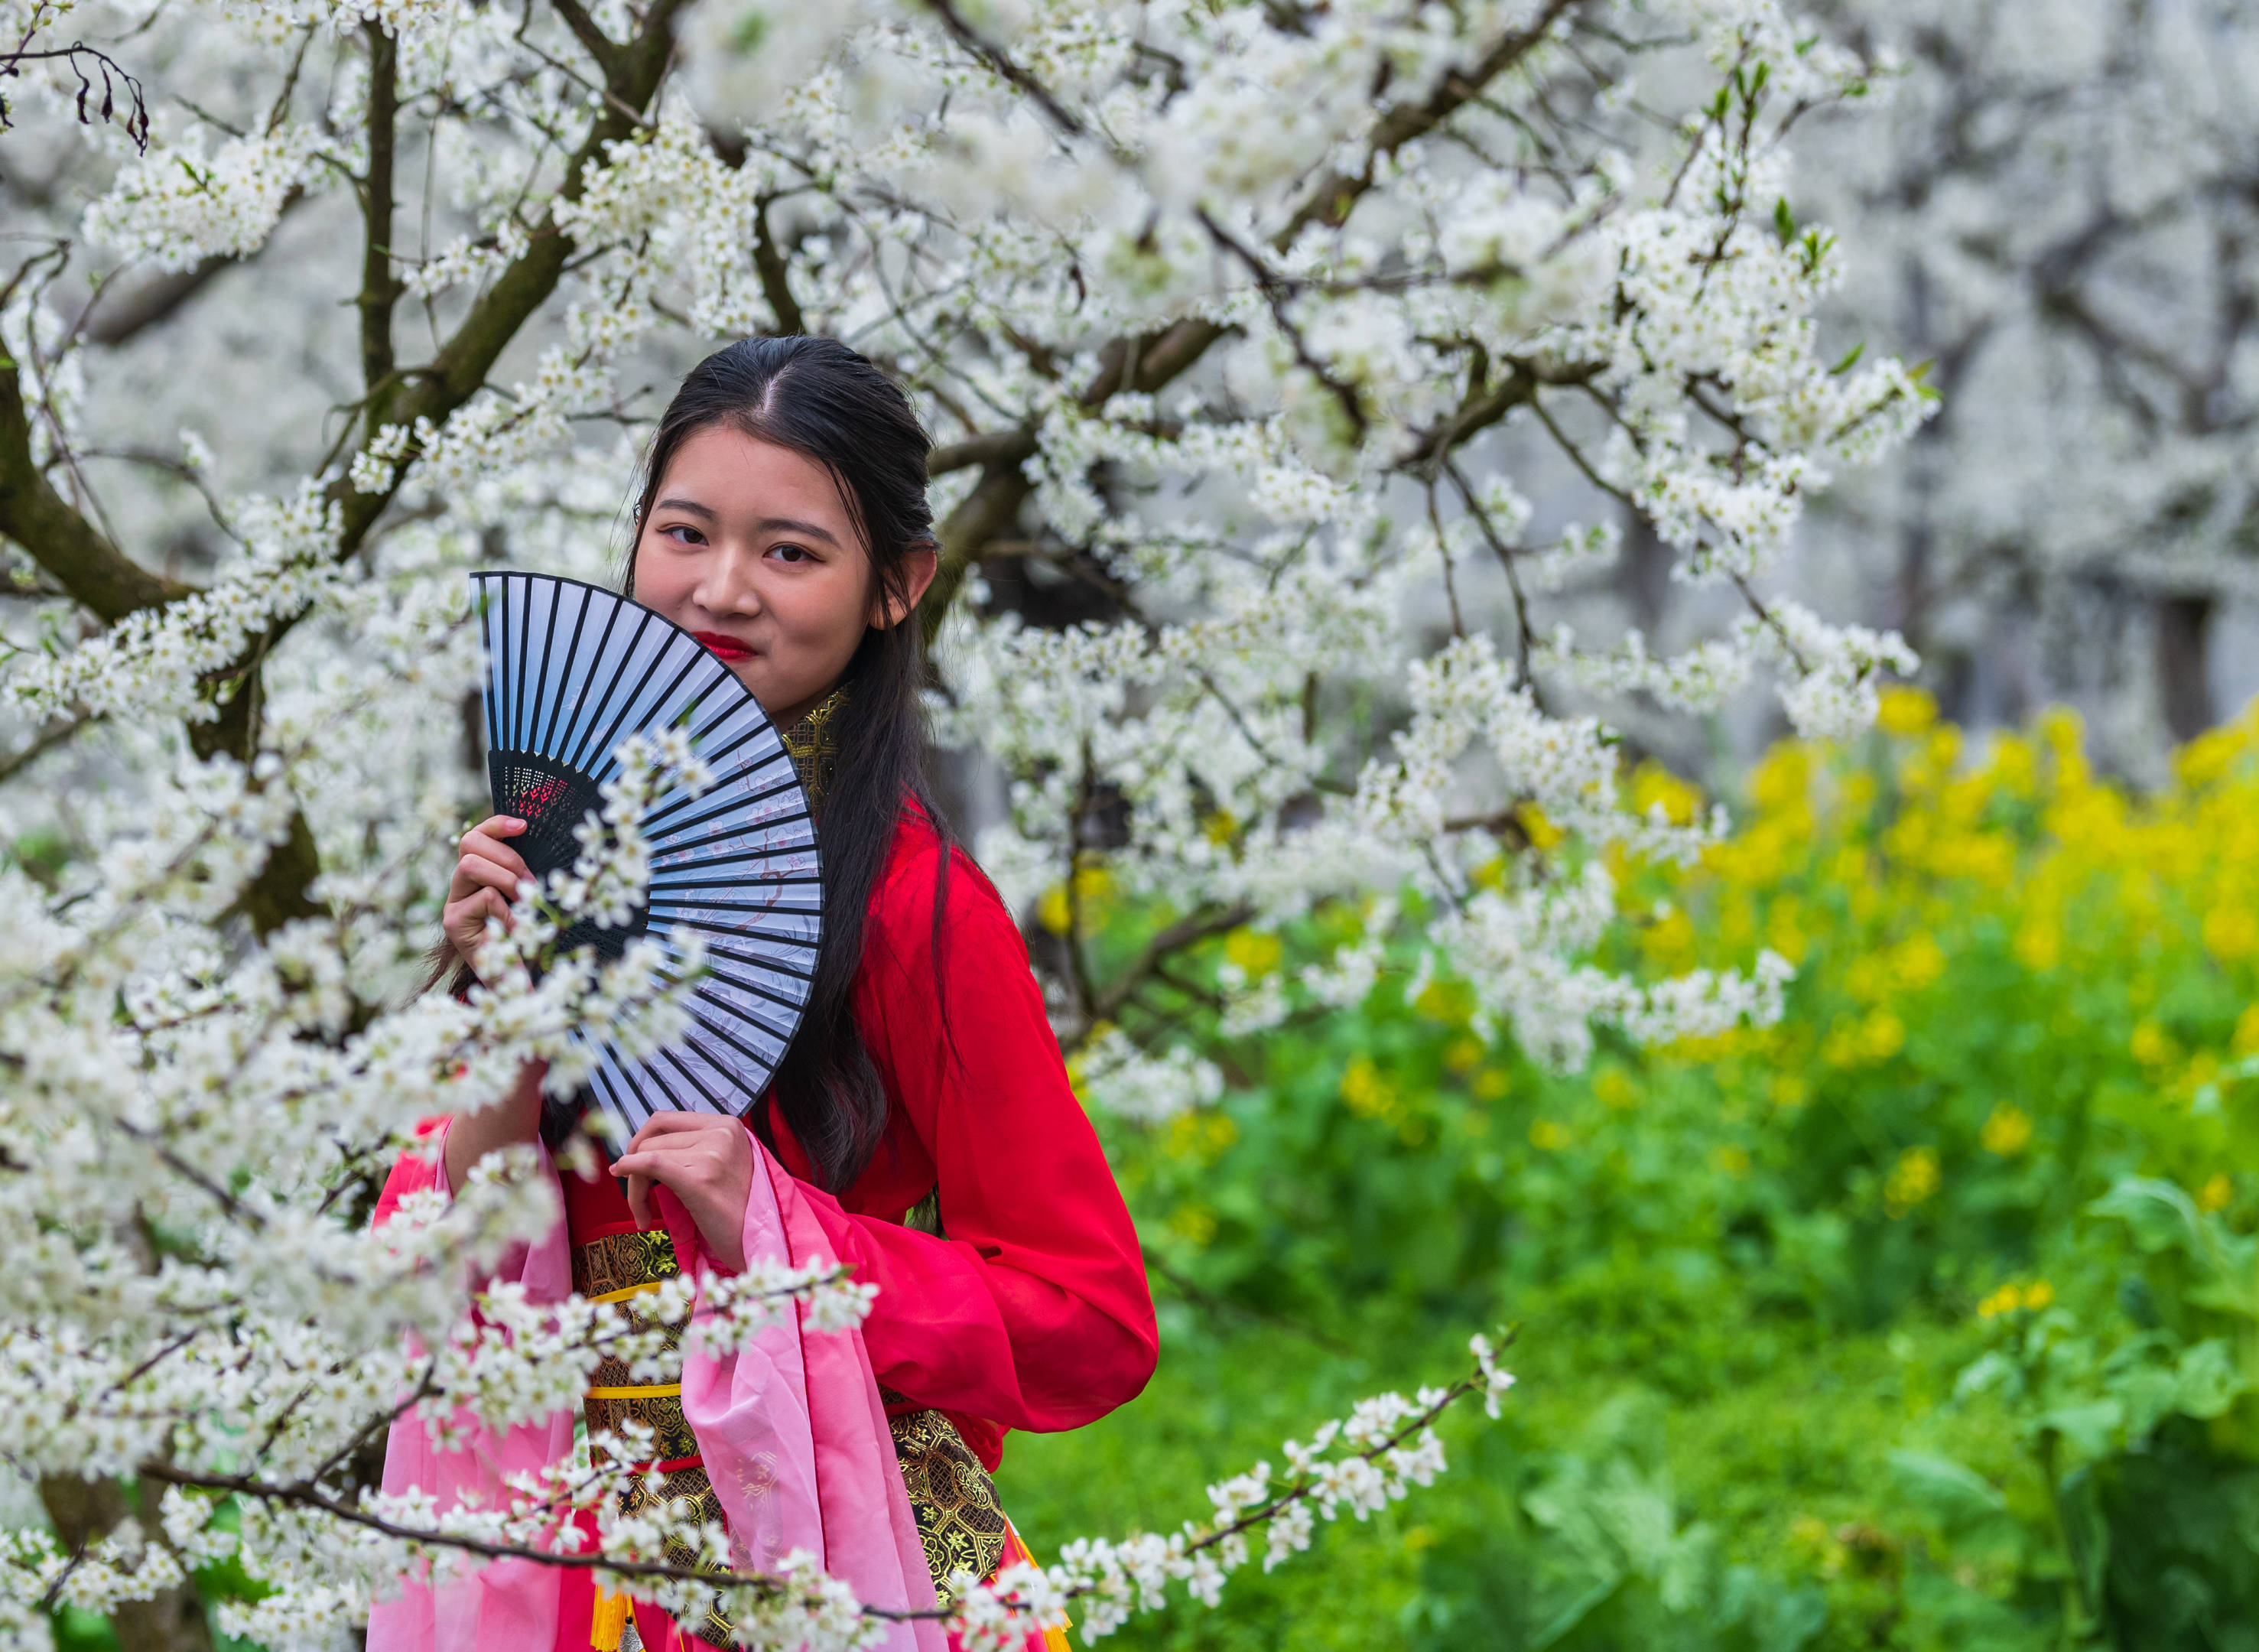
x=88, y=1510
x=1645, y=567
x=2185, y=664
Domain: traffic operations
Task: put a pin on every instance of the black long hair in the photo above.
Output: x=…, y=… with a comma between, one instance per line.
x=825, y=402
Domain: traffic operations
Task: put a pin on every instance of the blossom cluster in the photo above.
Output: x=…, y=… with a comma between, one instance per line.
x=1359, y=1464
x=1257, y=344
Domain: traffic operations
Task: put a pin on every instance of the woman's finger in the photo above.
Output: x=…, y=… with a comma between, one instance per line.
x=465, y=922
x=669, y=1160
x=475, y=872
x=479, y=902
x=679, y=1123
x=640, y=1204
x=493, y=848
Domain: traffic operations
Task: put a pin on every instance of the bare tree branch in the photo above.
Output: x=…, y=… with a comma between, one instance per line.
x=99, y=577
x=1335, y=194
x=775, y=274
x=379, y=289
x=1190, y=930
x=45, y=741
x=1000, y=61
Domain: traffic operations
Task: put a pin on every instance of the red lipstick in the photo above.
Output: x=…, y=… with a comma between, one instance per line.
x=723, y=647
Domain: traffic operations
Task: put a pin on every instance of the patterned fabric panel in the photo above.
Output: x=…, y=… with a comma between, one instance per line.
x=662, y=1414
x=621, y=1261
x=690, y=1494
x=960, y=1522
x=617, y=1373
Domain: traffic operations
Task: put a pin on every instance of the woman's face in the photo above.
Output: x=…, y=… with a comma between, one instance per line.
x=751, y=548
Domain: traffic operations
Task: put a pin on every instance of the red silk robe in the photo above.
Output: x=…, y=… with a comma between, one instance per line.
x=1034, y=1312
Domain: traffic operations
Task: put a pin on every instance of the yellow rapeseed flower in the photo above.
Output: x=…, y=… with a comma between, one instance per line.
x=1911, y=1181
x=1783, y=777
x=1671, y=940
x=1257, y=951
x=2151, y=1044
x=2216, y=1193
x=2210, y=755
x=1450, y=1002
x=1366, y=1092
x=1653, y=786
x=2014, y=764
x=1867, y=977
x=1784, y=930
x=2063, y=732
x=1195, y=1225
x=1881, y=1035
x=1542, y=832
x=2231, y=931
x=1868, y=900
x=1905, y=712
x=1547, y=1137
x=2039, y=943
x=1200, y=1134
x=1092, y=886
x=2011, y=1298
x=1916, y=963
x=2008, y=1131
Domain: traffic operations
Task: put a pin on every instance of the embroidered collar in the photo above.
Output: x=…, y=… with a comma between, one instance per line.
x=813, y=745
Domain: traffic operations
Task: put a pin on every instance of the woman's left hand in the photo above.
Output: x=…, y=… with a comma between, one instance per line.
x=707, y=1161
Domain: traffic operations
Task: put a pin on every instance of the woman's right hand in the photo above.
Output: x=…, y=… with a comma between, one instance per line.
x=485, y=883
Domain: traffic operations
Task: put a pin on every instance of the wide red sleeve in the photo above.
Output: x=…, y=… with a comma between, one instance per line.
x=1034, y=1312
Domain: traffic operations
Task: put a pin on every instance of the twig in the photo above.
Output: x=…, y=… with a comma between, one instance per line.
x=1001, y=62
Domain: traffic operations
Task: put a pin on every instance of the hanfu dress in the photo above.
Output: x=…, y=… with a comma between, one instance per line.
x=1027, y=1309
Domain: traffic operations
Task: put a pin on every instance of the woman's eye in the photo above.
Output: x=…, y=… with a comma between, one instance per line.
x=689, y=535
x=791, y=554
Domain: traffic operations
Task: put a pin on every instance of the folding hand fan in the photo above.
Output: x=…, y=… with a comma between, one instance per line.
x=572, y=672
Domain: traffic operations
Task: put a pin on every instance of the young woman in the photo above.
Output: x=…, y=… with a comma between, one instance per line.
x=921, y=1129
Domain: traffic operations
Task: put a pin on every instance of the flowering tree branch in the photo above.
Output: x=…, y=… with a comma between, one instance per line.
x=1240, y=591
x=380, y=287
x=99, y=577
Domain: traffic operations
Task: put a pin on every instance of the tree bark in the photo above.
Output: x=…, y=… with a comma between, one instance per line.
x=1646, y=574
x=2185, y=664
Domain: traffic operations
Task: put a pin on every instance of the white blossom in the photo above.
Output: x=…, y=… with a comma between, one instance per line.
x=1255, y=343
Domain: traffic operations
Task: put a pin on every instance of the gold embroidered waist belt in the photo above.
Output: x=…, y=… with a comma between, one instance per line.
x=960, y=1520
x=620, y=1267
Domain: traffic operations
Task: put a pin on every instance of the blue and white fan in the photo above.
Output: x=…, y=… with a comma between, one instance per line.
x=574, y=670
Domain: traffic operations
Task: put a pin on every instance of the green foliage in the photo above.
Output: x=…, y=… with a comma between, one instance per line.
x=1928, y=1318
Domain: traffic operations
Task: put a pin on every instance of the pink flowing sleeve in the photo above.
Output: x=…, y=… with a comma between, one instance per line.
x=790, y=1429
x=508, y=1603
x=793, y=1434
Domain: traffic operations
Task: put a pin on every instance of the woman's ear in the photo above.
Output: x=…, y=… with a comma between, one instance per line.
x=920, y=563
